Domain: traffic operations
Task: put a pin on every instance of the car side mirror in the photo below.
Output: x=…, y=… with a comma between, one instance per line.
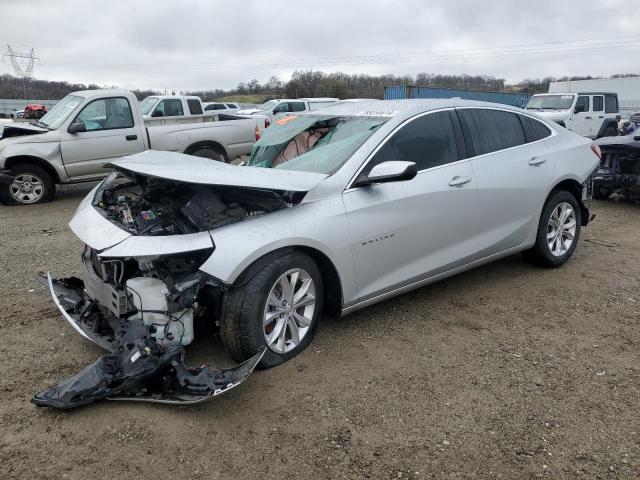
x=385, y=172
x=77, y=127
x=157, y=113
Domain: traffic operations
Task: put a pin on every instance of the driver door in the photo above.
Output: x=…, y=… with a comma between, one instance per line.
x=405, y=231
x=580, y=120
x=110, y=134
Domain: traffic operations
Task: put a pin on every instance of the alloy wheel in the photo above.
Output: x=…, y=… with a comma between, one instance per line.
x=561, y=229
x=289, y=309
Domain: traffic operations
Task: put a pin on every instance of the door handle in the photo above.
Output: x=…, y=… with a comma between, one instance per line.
x=459, y=181
x=535, y=161
x=131, y=137
x=601, y=116
x=587, y=118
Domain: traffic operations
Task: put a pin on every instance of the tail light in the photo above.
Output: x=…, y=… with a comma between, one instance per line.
x=596, y=150
x=257, y=133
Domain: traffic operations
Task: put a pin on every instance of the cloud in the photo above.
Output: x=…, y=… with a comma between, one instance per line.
x=191, y=44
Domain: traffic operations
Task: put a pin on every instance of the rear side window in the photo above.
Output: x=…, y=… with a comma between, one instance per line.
x=533, y=129
x=231, y=105
x=194, y=106
x=428, y=141
x=296, y=107
x=610, y=104
x=598, y=104
x=487, y=130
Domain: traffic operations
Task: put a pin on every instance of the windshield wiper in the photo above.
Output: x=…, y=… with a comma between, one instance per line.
x=40, y=124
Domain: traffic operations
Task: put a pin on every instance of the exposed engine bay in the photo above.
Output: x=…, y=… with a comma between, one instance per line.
x=142, y=309
x=153, y=206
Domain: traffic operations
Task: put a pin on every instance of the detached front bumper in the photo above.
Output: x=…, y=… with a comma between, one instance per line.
x=137, y=367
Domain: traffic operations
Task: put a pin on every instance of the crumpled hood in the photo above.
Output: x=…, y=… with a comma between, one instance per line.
x=17, y=132
x=190, y=169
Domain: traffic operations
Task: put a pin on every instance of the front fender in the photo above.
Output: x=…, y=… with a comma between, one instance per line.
x=320, y=225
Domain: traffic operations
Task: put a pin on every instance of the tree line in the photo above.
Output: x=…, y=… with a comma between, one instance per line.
x=304, y=83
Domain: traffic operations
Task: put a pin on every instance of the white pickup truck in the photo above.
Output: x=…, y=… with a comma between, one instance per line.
x=90, y=128
x=590, y=114
x=275, y=109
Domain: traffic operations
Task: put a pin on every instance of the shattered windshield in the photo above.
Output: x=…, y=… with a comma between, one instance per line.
x=550, y=102
x=312, y=143
x=61, y=110
x=147, y=104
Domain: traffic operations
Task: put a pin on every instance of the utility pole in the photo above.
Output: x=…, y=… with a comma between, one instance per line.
x=22, y=65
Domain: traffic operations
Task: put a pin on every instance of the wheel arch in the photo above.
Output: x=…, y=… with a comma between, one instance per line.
x=607, y=122
x=207, y=143
x=29, y=159
x=330, y=277
x=574, y=187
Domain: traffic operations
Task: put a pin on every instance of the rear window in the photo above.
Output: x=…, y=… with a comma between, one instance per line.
x=194, y=106
x=488, y=130
x=533, y=129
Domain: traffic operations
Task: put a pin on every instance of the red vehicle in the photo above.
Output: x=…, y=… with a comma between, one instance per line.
x=34, y=110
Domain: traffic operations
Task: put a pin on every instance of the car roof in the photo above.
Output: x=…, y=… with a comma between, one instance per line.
x=404, y=108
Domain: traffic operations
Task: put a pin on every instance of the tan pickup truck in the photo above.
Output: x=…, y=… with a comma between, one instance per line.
x=88, y=129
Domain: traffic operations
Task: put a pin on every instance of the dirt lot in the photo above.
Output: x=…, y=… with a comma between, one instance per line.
x=507, y=371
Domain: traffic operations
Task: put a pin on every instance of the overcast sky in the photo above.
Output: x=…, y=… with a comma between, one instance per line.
x=191, y=45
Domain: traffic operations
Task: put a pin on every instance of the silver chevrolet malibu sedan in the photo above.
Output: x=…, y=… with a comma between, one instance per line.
x=336, y=210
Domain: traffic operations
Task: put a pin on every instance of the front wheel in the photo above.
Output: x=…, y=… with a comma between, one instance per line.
x=30, y=184
x=558, y=231
x=276, y=307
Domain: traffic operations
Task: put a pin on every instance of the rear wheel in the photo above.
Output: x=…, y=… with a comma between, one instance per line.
x=211, y=154
x=277, y=307
x=30, y=184
x=610, y=132
x=558, y=231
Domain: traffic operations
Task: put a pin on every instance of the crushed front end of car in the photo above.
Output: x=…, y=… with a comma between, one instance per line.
x=141, y=289
x=619, y=170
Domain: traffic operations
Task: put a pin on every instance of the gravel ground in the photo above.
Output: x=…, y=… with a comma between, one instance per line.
x=507, y=371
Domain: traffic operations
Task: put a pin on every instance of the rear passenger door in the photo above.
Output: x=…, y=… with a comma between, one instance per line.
x=512, y=174
x=403, y=232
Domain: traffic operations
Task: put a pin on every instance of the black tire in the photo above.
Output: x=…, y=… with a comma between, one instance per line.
x=541, y=254
x=610, y=132
x=211, y=154
x=49, y=187
x=243, y=308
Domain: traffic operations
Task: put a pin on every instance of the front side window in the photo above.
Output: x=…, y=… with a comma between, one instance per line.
x=428, y=141
x=488, y=130
x=106, y=114
x=610, y=104
x=170, y=107
x=283, y=107
x=195, y=108
x=598, y=104
x=582, y=105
